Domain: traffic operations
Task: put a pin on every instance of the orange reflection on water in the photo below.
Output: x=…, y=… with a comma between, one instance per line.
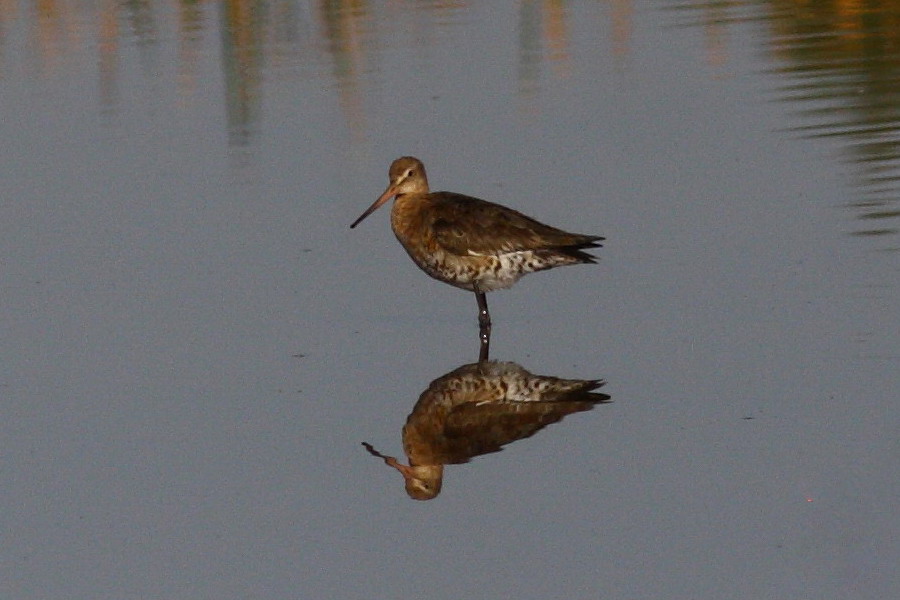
x=67, y=34
x=243, y=49
x=343, y=26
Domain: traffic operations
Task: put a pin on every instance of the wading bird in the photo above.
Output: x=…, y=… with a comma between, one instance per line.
x=471, y=243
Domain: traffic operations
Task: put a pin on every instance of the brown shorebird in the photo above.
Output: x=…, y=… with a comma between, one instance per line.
x=471, y=243
x=477, y=409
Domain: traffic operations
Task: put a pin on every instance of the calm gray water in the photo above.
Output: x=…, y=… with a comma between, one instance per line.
x=194, y=343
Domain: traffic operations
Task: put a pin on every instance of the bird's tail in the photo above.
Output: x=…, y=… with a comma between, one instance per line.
x=577, y=249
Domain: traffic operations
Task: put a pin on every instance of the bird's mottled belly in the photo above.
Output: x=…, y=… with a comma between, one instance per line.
x=488, y=272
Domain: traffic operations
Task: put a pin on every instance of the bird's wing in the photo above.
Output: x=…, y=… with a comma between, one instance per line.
x=476, y=429
x=465, y=225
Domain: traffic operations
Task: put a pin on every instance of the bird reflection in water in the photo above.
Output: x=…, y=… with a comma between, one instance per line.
x=477, y=409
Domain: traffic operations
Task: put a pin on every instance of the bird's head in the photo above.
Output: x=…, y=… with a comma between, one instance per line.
x=422, y=482
x=407, y=176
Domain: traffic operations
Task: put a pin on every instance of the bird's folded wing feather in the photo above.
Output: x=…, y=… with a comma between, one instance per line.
x=473, y=429
x=464, y=225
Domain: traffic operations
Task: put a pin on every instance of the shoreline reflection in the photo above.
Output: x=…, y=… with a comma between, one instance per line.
x=478, y=409
x=837, y=66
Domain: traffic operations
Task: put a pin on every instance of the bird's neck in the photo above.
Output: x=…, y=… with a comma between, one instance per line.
x=408, y=210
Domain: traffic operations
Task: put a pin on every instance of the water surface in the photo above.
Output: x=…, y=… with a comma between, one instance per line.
x=195, y=343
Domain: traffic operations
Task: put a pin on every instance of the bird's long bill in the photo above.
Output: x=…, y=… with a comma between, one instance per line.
x=387, y=195
x=388, y=460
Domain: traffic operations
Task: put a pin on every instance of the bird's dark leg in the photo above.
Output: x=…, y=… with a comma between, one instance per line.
x=484, y=324
x=484, y=352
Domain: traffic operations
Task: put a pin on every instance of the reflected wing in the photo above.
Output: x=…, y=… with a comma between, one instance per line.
x=464, y=225
x=472, y=430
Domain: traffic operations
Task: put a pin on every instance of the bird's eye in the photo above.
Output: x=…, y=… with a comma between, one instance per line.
x=410, y=173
